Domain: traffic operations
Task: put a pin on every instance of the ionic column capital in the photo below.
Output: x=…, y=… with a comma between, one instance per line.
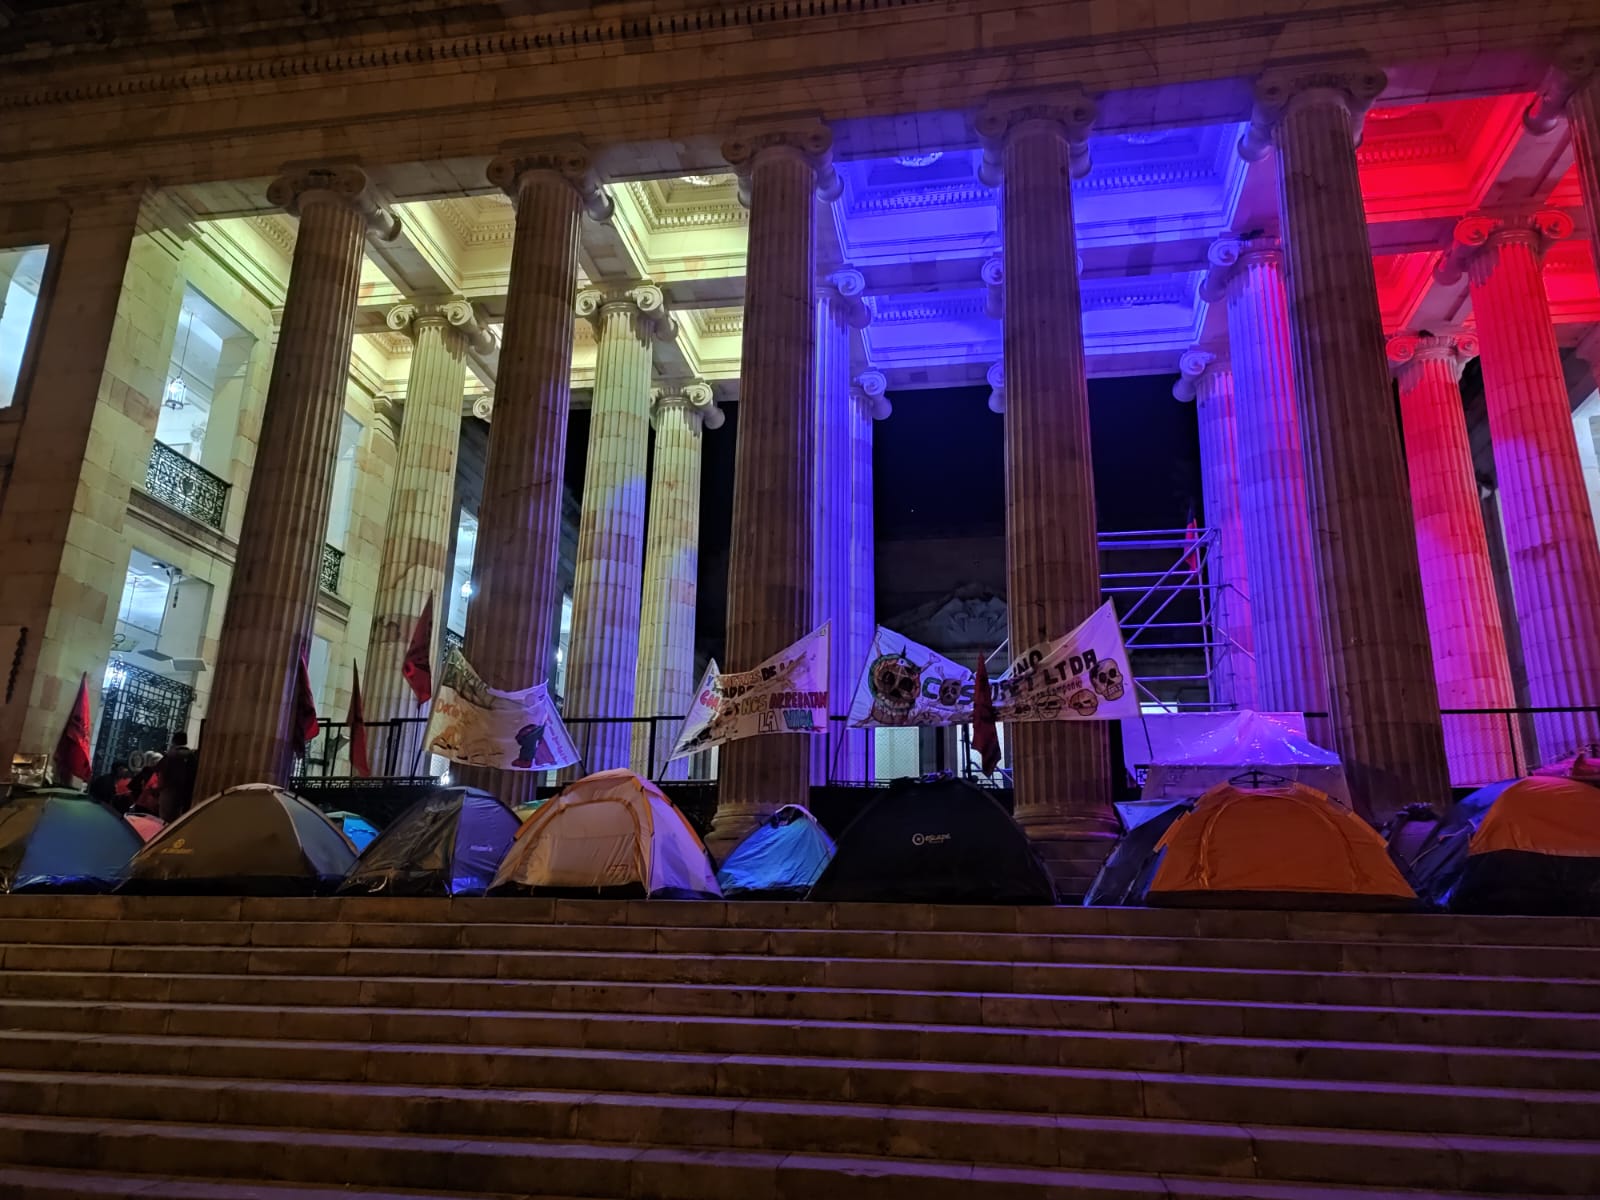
x=570, y=162
x=1227, y=254
x=994, y=283
x=455, y=313
x=869, y=388
x=845, y=286
x=1574, y=65
x=644, y=300
x=1409, y=350
x=809, y=140
x=306, y=184
x=1487, y=231
x=1069, y=113
x=1193, y=366
x=694, y=397
x=1280, y=90
x=997, y=387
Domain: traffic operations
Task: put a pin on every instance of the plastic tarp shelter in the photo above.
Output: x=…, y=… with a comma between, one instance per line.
x=609, y=834
x=56, y=839
x=1125, y=876
x=251, y=840
x=782, y=858
x=935, y=842
x=1279, y=847
x=1528, y=847
x=1583, y=765
x=449, y=843
x=354, y=826
x=1192, y=756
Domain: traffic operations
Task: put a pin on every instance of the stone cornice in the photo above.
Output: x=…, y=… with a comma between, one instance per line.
x=662, y=215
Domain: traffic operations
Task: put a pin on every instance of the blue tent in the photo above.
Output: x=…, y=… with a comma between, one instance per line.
x=54, y=839
x=780, y=860
x=449, y=843
x=354, y=826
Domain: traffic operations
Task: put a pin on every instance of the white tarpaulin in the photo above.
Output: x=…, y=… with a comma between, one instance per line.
x=475, y=724
x=788, y=693
x=1192, y=755
x=1083, y=676
x=905, y=683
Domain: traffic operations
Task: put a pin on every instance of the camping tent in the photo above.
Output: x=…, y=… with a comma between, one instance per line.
x=780, y=860
x=354, y=826
x=249, y=840
x=446, y=844
x=937, y=842
x=1527, y=846
x=608, y=834
x=145, y=824
x=1582, y=765
x=1280, y=847
x=56, y=839
x=1125, y=876
x=1188, y=765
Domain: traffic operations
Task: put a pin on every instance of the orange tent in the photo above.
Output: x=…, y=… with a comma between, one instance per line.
x=1542, y=815
x=1279, y=847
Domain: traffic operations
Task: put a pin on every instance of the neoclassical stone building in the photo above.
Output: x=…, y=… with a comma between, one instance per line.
x=299, y=299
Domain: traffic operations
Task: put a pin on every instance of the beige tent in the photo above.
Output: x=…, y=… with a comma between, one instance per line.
x=611, y=833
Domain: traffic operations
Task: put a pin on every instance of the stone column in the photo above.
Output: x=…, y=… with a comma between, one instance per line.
x=1573, y=89
x=1374, y=629
x=1549, y=529
x=868, y=404
x=511, y=623
x=604, y=652
x=1274, y=519
x=272, y=597
x=770, y=581
x=665, y=679
x=1033, y=148
x=1207, y=380
x=1469, y=647
x=839, y=309
x=416, y=543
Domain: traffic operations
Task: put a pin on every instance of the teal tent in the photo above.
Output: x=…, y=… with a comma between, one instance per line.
x=780, y=860
x=55, y=839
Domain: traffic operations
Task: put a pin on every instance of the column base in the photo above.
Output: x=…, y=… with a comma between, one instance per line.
x=730, y=827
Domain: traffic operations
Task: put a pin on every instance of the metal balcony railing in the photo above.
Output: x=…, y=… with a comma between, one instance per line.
x=185, y=486
x=331, y=570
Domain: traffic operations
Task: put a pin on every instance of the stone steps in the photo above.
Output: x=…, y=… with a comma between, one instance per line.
x=285, y=1050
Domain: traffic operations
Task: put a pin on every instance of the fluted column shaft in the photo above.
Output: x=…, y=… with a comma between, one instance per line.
x=1469, y=647
x=272, y=597
x=604, y=652
x=1275, y=520
x=1583, y=119
x=770, y=578
x=510, y=626
x=868, y=404
x=665, y=678
x=416, y=541
x=1061, y=769
x=1233, y=670
x=1549, y=528
x=1384, y=704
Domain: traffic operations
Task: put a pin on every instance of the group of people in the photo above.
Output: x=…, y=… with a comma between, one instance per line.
x=156, y=782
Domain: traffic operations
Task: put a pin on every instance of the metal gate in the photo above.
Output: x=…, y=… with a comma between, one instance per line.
x=140, y=710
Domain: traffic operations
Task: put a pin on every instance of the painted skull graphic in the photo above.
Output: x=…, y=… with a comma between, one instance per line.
x=949, y=692
x=1108, y=679
x=1084, y=702
x=895, y=681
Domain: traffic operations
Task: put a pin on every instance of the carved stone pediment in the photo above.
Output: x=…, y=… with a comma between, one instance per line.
x=969, y=617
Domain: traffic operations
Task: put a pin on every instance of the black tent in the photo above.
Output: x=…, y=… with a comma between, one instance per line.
x=253, y=840
x=449, y=843
x=56, y=839
x=1125, y=876
x=936, y=842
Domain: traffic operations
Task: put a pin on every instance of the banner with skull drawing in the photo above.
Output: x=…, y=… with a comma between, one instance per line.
x=788, y=693
x=905, y=683
x=1083, y=676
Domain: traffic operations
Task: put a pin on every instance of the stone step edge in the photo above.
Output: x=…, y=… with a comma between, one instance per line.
x=535, y=1016
x=64, y=1183
x=1047, y=1183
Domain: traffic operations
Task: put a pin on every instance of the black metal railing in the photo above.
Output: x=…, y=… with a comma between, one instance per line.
x=139, y=710
x=184, y=486
x=331, y=570
x=394, y=750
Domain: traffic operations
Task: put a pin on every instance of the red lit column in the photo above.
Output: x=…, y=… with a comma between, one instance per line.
x=1469, y=646
x=1549, y=529
x=1384, y=705
x=1208, y=381
x=1033, y=147
x=510, y=625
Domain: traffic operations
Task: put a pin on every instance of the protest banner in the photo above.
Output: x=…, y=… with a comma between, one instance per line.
x=788, y=693
x=905, y=683
x=478, y=725
x=1083, y=676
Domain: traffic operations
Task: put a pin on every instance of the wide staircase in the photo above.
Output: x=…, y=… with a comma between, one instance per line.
x=298, y=1049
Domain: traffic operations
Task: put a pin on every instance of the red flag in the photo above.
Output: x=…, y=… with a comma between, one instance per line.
x=72, y=750
x=985, y=737
x=360, y=763
x=1191, y=542
x=416, y=668
x=306, y=725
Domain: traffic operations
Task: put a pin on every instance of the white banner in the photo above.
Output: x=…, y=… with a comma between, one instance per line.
x=905, y=683
x=1083, y=676
x=786, y=694
x=475, y=724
